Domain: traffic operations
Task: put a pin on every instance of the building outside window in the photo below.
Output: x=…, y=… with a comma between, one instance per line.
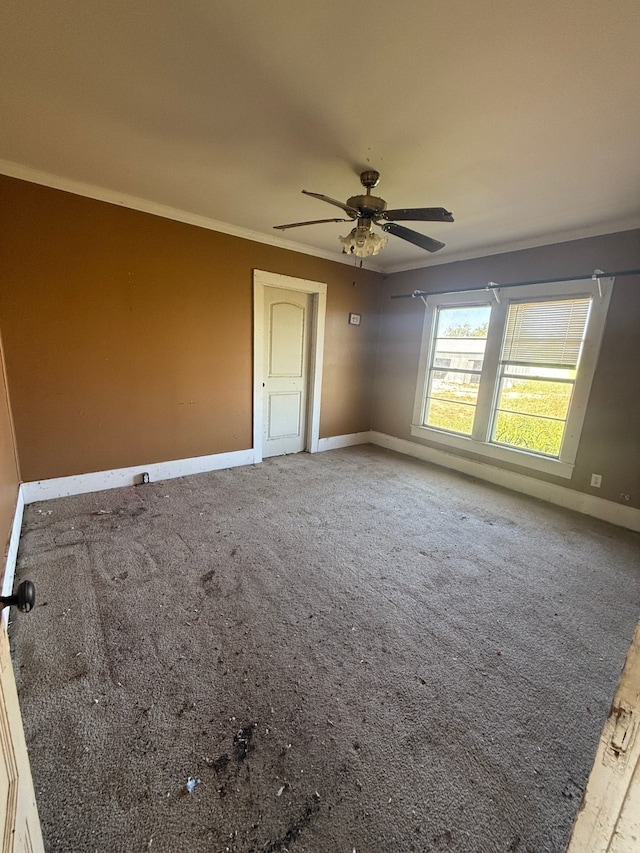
x=509, y=377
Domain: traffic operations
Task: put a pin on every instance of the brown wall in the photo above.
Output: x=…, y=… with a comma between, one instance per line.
x=128, y=337
x=610, y=443
x=128, y=340
x=8, y=467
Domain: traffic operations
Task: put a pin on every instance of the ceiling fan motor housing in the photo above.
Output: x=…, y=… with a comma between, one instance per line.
x=370, y=178
x=369, y=210
x=367, y=205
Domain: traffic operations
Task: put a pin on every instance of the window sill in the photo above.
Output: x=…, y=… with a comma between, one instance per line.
x=495, y=452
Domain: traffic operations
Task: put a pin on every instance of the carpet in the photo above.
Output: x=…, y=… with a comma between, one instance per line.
x=345, y=651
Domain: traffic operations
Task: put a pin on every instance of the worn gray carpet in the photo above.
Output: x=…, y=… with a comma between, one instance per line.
x=345, y=651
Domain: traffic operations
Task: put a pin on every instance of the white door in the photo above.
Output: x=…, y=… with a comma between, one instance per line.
x=287, y=324
x=19, y=824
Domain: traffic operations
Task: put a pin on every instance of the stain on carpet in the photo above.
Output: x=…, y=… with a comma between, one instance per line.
x=294, y=830
x=242, y=742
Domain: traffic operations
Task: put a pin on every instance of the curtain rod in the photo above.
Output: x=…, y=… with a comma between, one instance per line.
x=493, y=286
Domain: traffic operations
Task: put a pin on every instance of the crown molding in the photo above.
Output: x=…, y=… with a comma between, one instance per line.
x=519, y=245
x=35, y=176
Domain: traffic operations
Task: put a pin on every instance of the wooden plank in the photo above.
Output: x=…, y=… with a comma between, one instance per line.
x=609, y=816
x=19, y=823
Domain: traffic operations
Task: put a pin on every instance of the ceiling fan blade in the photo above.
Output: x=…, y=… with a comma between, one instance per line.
x=418, y=214
x=414, y=237
x=350, y=210
x=310, y=222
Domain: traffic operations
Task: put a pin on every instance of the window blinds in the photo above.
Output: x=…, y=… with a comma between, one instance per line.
x=545, y=333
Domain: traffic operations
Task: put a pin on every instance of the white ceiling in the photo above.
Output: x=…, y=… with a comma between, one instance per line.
x=523, y=119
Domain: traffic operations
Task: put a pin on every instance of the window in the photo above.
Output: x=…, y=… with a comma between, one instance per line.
x=518, y=371
x=458, y=344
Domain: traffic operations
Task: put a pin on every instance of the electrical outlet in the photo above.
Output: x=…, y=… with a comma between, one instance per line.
x=596, y=480
x=145, y=477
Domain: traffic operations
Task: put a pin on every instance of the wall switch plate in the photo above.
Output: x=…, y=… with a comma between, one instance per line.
x=596, y=480
x=354, y=319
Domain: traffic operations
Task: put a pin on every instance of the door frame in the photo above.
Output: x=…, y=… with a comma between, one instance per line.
x=607, y=819
x=318, y=292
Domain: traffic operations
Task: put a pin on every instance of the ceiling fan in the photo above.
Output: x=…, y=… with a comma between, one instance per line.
x=369, y=210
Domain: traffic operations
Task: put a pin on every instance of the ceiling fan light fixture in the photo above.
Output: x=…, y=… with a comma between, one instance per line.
x=362, y=242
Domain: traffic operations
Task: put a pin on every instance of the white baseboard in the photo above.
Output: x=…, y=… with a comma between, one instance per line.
x=60, y=487
x=42, y=490
x=624, y=516
x=335, y=442
x=12, y=552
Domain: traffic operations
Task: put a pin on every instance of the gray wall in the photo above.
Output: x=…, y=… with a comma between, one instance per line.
x=610, y=443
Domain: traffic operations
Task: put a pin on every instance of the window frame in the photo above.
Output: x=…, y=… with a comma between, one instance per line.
x=432, y=369
x=479, y=442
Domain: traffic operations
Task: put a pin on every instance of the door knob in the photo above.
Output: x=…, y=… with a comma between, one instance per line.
x=24, y=597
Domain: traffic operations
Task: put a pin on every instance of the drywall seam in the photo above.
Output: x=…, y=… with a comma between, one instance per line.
x=60, y=487
x=624, y=516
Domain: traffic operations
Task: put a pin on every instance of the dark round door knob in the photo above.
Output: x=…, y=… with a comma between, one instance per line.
x=24, y=597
